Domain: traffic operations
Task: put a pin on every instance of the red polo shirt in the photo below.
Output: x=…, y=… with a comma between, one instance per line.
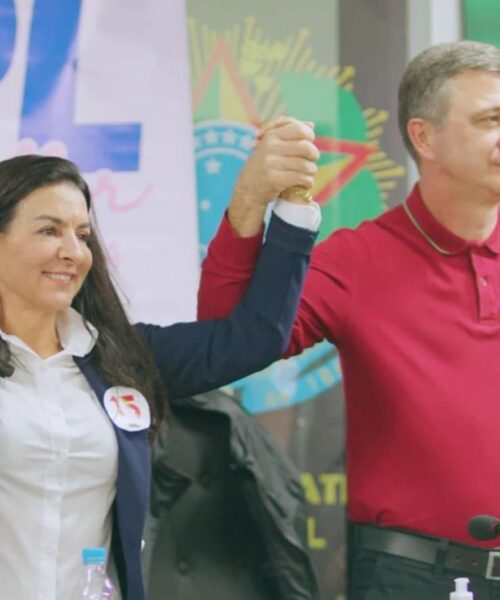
x=415, y=314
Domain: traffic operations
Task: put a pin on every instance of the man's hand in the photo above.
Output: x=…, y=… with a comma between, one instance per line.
x=284, y=156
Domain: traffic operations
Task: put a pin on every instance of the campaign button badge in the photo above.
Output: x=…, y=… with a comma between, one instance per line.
x=127, y=408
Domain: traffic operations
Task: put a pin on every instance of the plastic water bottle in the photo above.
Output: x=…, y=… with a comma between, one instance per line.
x=94, y=583
x=461, y=591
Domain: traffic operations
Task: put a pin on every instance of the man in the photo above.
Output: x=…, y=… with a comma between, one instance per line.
x=412, y=302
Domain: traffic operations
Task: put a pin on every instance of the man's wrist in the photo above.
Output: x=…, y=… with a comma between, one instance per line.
x=246, y=216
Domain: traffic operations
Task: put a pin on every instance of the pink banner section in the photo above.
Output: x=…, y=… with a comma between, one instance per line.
x=111, y=91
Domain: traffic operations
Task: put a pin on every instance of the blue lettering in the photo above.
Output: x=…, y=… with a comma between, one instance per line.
x=49, y=95
x=8, y=22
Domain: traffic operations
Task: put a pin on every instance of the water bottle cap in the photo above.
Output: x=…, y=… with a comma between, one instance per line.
x=461, y=591
x=94, y=556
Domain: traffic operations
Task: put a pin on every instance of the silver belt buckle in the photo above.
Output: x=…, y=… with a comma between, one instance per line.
x=492, y=555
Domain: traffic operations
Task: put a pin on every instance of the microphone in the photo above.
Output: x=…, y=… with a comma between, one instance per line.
x=484, y=527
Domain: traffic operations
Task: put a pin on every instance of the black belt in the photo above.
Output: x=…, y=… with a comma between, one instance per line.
x=466, y=559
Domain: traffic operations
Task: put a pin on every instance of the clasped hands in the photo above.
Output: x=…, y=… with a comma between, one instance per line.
x=283, y=163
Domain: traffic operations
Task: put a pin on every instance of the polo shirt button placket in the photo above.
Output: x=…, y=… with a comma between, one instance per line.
x=482, y=266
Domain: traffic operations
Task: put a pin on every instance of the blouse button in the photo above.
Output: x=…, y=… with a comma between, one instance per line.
x=183, y=567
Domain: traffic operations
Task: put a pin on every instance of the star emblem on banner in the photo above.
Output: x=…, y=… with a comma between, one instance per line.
x=223, y=69
x=242, y=80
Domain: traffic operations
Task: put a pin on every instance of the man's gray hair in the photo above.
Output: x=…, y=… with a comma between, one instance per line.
x=422, y=91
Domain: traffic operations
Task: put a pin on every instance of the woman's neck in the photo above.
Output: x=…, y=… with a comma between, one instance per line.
x=39, y=332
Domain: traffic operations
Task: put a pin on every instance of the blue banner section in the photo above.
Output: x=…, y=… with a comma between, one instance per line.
x=222, y=147
x=291, y=381
x=8, y=23
x=49, y=95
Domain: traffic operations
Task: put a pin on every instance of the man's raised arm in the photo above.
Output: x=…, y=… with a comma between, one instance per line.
x=283, y=163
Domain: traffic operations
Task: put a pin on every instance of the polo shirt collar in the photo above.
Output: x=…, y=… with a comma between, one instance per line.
x=442, y=238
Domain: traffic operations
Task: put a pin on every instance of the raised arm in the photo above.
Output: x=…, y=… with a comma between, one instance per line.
x=285, y=157
x=233, y=253
x=326, y=301
x=199, y=356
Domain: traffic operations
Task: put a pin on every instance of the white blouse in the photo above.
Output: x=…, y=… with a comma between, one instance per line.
x=58, y=467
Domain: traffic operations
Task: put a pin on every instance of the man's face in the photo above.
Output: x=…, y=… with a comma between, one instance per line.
x=466, y=145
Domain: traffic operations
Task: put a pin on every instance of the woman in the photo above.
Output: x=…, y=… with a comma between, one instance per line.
x=82, y=389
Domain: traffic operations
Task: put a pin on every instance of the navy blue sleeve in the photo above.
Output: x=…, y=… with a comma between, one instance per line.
x=203, y=355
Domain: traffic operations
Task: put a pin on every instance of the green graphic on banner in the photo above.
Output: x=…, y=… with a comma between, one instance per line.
x=482, y=21
x=241, y=80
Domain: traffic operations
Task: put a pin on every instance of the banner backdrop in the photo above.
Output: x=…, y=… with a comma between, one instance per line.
x=249, y=64
x=106, y=84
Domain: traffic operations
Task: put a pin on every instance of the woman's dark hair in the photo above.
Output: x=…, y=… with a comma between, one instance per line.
x=120, y=354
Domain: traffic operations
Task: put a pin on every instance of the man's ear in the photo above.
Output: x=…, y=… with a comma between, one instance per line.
x=422, y=135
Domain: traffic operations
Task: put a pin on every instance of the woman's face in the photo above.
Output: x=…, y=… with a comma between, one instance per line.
x=44, y=256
